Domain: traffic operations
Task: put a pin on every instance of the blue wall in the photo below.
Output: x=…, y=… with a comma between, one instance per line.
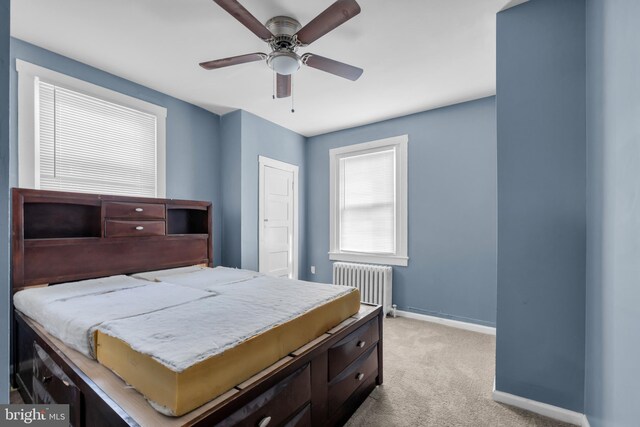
x=613, y=215
x=4, y=200
x=263, y=138
x=193, y=145
x=541, y=201
x=230, y=137
x=452, y=209
x=245, y=137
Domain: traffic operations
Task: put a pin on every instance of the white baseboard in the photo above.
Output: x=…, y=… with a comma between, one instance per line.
x=448, y=322
x=543, y=409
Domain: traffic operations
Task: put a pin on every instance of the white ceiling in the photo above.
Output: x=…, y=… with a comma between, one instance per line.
x=416, y=54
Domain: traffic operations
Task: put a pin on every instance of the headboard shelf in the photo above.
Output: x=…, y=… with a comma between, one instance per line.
x=61, y=220
x=60, y=237
x=186, y=220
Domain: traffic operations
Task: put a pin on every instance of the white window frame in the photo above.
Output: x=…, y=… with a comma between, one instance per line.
x=400, y=257
x=28, y=149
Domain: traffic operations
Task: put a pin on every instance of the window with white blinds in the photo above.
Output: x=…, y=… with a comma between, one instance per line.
x=368, y=202
x=93, y=146
x=368, y=195
x=90, y=140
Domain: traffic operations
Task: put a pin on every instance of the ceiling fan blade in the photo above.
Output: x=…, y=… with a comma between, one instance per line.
x=238, y=11
x=233, y=60
x=333, y=16
x=283, y=86
x=330, y=66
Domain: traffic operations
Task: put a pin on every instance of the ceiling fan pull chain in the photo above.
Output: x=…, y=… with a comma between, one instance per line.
x=273, y=94
x=292, y=110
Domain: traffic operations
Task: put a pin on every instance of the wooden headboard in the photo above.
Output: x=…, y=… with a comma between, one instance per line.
x=60, y=237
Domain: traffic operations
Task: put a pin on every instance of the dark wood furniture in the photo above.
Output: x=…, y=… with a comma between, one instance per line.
x=59, y=237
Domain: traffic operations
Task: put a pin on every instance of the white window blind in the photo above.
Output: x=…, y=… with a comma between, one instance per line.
x=368, y=202
x=87, y=144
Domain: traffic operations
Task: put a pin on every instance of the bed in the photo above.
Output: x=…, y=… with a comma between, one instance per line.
x=305, y=359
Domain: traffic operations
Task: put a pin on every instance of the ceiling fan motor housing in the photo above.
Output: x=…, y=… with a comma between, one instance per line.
x=283, y=59
x=283, y=25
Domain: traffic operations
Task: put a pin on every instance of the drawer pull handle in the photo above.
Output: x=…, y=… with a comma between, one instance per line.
x=139, y=209
x=361, y=344
x=139, y=228
x=46, y=379
x=264, y=422
x=360, y=376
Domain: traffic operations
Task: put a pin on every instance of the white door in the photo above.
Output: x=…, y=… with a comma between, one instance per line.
x=278, y=218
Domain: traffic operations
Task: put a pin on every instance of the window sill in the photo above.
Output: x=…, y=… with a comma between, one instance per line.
x=402, y=261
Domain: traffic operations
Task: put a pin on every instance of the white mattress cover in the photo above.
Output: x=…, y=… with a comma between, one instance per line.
x=72, y=311
x=180, y=337
x=204, y=278
x=31, y=301
x=155, y=275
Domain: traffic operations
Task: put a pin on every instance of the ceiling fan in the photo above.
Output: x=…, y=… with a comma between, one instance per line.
x=285, y=35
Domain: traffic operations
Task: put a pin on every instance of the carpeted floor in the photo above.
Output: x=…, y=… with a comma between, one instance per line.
x=438, y=376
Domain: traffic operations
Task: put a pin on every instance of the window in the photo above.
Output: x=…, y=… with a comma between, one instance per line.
x=75, y=136
x=369, y=202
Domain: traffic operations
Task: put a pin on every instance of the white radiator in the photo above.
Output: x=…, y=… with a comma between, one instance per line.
x=373, y=281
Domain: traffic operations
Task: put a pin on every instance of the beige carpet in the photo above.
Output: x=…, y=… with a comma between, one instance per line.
x=438, y=376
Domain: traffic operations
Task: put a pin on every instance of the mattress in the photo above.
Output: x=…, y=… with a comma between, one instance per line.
x=72, y=311
x=190, y=334
x=179, y=362
x=31, y=301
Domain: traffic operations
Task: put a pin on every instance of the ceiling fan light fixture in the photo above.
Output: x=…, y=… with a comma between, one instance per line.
x=284, y=62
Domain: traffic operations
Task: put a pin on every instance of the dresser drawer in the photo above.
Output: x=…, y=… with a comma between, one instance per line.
x=275, y=406
x=345, y=384
x=116, y=228
x=134, y=210
x=51, y=385
x=352, y=346
x=301, y=419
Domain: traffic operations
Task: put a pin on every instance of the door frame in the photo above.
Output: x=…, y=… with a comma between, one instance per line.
x=277, y=164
